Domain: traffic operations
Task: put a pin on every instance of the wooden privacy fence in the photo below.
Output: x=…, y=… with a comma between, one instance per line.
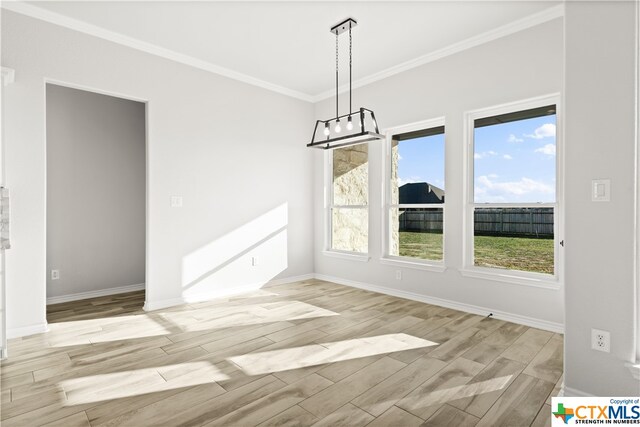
x=421, y=220
x=516, y=222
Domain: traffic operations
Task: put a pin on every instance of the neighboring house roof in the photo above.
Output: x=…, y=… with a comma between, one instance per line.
x=420, y=192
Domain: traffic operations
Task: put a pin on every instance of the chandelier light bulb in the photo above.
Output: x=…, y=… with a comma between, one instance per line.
x=338, y=128
x=349, y=124
x=326, y=129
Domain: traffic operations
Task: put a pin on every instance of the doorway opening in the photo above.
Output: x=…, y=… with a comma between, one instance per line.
x=96, y=204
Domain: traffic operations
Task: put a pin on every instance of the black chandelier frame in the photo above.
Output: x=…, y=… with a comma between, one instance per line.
x=366, y=132
x=348, y=139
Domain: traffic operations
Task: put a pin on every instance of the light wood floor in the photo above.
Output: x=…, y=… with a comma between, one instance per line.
x=308, y=353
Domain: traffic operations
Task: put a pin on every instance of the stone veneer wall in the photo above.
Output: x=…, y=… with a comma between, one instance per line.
x=394, y=214
x=351, y=187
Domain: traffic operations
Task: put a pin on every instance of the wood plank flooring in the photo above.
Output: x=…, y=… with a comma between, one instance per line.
x=307, y=353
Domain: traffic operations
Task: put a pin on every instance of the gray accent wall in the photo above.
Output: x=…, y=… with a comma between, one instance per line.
x=95, y=191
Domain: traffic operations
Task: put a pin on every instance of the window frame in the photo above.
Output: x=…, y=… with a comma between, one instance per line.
x=404, y=261
x=635, y=368
x=328, y=210
x=505, y=275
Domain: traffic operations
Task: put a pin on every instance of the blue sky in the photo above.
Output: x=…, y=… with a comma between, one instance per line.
x=422, y=160
x=513, y=162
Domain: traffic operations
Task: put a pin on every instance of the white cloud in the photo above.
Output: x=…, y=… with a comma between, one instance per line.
x=484, y=154
x=409, y=180
x=507, y=157
x=549, y=150
x=545, y=131
x=399, y=156
x=513, y=138
x=487, y=189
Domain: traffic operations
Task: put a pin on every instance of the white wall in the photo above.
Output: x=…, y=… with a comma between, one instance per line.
x=600, y=87
x=520, y=66
x=210, y=141
x=233, y=151
x=95, y=191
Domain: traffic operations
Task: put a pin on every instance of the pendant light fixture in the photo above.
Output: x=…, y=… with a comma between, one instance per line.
x=360, y=127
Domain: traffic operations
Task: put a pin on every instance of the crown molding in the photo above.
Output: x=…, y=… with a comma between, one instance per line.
x=94, y=30
x=499, y=32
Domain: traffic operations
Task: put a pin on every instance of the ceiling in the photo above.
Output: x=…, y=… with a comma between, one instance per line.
x=287, y=45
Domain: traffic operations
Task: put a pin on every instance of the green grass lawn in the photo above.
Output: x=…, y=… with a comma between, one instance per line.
x=514, y=253
x=421, y=245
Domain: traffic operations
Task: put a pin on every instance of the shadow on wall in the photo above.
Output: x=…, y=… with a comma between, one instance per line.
x=242, y=260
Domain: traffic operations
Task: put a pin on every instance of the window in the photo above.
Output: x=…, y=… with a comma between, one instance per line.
x=513, y=197
x=415, y=193
x=349, y=198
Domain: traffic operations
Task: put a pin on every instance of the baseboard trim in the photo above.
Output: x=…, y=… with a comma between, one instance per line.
x=94, y=294
x=222, y=293
x=27, y=330
x=635, y=369
x=160, y=304
x=292, y=279
x=572, y=392
x=469, y=308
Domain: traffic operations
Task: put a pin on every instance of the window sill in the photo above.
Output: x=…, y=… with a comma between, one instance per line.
x=351, y=256
x=402, y=262
x=510, y=277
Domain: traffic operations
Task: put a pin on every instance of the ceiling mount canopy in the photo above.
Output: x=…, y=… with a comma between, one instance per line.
x=361, y=126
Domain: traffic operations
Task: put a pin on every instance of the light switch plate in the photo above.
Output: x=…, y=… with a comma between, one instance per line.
x=601, y=190
x=176, y=201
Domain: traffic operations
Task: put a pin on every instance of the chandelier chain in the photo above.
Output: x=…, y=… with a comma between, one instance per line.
x=350, y=61
x=337, y=114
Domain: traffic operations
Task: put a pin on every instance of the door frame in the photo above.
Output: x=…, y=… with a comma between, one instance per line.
x=114, y=94
x=8, y=77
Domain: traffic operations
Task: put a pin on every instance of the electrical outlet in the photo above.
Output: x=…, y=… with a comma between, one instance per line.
x=600, y=340
x=254, y=261
x=398, y=275
x=55, y=274
x=175, y=201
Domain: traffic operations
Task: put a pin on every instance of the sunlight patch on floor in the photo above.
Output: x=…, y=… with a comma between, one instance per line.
x=244, y=315
x=82, y=332
x=423, y=400
x=318, y=354
x=178, y=321
x=117, y=385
